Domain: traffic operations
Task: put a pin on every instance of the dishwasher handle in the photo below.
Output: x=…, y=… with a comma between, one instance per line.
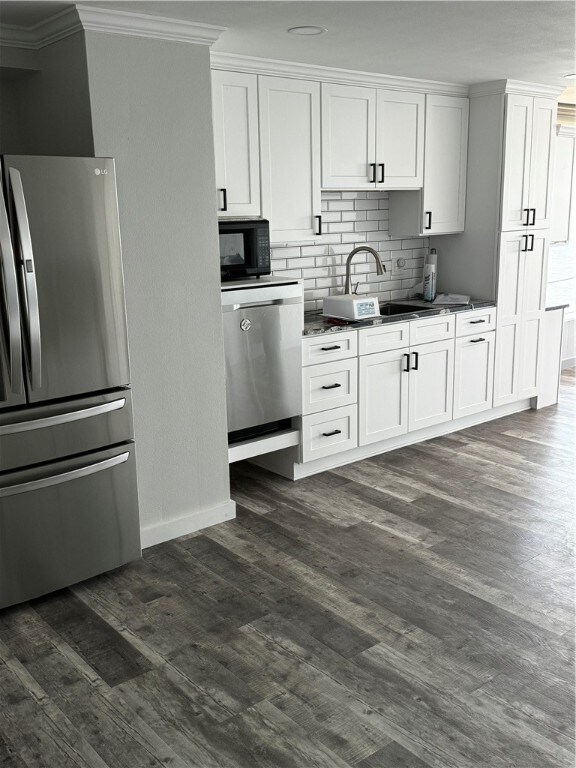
x=256, y=304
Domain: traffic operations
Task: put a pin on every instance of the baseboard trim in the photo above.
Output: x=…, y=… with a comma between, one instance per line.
x=172, y=529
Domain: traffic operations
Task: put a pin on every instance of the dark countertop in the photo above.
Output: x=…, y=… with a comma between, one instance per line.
x=315, y=323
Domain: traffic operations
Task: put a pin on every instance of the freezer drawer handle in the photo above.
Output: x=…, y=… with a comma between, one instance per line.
x=33, y=310
x=8, y=268
x=74, y=474
x=62, y=418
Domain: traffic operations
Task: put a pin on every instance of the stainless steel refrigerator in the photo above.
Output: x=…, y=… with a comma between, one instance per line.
x=68, y=494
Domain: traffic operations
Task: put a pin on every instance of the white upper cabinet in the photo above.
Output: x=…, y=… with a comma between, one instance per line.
x=564, y=203
x=371, y=138
x=400, y=139
x=290, y=157
x=444, y=195
x=528, y=162
x=438, y=209
x=348, y=137
x=235, y=113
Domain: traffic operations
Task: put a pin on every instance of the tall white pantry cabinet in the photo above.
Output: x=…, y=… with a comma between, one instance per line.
x=503, y=252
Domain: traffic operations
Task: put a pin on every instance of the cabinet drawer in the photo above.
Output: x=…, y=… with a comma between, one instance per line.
x=327, y=347
x=476, y=321
x=383, y=338
x=437, y=328
x=329, y=385
x=329, y=432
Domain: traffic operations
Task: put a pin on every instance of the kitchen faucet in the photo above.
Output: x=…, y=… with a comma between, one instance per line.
x=380, y=268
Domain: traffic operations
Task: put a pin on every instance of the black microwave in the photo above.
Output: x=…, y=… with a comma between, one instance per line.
x=244, y=248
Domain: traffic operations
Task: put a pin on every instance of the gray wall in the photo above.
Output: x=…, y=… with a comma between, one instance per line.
x=49, y=110
x=151, y=110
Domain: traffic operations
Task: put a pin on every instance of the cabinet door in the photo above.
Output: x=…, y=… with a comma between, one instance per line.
x=348, y=137
x=400, y=139
x=383, y=396
x=445, y=157
x=542, y=162
x=516, y=180
x=473, y=374
x=235, y=110
x=431, y=384
x=509, y=297
x=533, y=308
x=290, y=157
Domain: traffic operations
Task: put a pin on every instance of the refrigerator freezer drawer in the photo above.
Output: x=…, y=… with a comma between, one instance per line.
x=43, y=433
x=67, y=521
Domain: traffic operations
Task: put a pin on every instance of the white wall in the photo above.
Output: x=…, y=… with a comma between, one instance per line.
x=151, y=110
x=49, y=110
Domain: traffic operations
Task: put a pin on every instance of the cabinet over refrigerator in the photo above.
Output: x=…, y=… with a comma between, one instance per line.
x=68, y=495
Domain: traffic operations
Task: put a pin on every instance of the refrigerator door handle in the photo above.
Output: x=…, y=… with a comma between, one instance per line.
x=29, y=277
x=8, y=267
x=64, y=477
x=62, y=418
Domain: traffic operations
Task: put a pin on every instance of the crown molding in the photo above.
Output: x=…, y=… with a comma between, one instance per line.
x=89, y=18
x=275, y=67
x=566, y=130
x=515, y=86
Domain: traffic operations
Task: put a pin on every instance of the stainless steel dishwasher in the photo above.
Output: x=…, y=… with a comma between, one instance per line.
x=263, y=323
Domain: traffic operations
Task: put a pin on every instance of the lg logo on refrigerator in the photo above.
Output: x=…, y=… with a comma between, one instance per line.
x=98, y=171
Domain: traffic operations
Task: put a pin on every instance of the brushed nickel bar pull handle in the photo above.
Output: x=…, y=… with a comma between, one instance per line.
x=8, y=268
x=74, y=474
x=62, y=418
x=33, y=309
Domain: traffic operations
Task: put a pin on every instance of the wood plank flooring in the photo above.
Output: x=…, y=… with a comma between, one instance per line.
x=413, y=610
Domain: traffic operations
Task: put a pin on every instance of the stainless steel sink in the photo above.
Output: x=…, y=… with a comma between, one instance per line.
x=390, y=308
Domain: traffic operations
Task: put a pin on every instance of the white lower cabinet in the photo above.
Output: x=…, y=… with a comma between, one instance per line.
x=329, y=385
x=431, y=384
x=521, y=306
x=405, y=390
x=473, y=374
x=383, y=384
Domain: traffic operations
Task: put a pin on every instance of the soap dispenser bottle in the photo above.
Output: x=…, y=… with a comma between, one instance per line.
x=429, y=282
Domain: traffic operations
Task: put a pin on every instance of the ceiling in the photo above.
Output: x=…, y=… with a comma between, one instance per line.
x=461, y=42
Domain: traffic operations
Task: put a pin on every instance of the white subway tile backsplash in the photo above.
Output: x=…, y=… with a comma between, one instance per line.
x=343, y=205
x=351, y=218
x=366, y=205
x=353, y=215
x=301, y=263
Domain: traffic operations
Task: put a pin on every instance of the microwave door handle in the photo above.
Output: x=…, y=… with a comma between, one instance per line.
x=8, y=268
x=29, y=277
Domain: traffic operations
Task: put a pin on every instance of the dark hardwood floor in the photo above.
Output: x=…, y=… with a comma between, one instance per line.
x=414, y=610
